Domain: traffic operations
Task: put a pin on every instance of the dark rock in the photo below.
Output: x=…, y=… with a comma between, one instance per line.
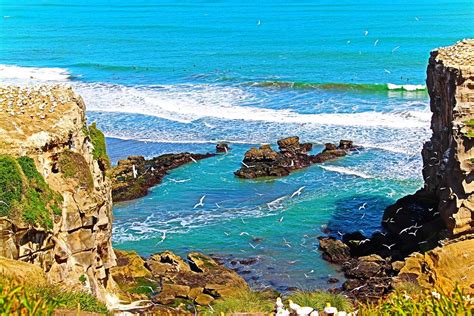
x=334, y=250
x=125, y=186
x=222, y=148
x=265, y=162
x=333, y=280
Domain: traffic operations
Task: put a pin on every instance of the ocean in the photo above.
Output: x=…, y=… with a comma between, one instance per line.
x=161, y=77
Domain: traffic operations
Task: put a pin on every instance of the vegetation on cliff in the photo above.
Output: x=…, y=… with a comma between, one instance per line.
x=98, y=141
x=75, y=167
x=24, y=194
x=34, y=299
x=413, y=301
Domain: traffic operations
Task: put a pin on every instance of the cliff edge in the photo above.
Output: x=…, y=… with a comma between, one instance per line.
x=55, y=200
x=448, y=158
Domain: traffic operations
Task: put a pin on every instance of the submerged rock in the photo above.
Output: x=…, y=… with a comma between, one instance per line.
x=266, y=162
x=132, y=177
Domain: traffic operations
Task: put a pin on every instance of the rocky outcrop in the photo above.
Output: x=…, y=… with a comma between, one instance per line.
x=222, y=148
x=439, y=218
x=265, y=162
x=56, y=204
x=448, y=156
x=169, y=279
x=443, y=267
x=132, y=177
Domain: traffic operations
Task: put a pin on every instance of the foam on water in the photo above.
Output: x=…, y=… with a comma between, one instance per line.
x=406, y=87
x=34, y=73
x=188, y=103
x=347, y=171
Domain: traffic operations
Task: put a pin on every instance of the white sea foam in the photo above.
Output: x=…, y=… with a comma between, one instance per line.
x=406, y=87
x=345, y=170
x=34, y=73
x=188, y=103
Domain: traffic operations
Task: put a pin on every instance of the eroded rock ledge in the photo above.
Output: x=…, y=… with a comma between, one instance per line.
x=265, y=162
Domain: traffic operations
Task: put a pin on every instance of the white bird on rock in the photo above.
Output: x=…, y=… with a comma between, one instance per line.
x=135, y=173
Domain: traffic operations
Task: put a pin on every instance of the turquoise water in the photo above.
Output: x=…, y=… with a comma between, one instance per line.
x=168, y=77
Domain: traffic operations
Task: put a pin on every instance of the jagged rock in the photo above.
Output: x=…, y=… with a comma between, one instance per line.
x=334, y=250
x=129, y=265
x=201, y=263
x=200, y=277
x=443, y=267
x=222, y=148
x=265, y=162
x=71, y=239
x=129, y=185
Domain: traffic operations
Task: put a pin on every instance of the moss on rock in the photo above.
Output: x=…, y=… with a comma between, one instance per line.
x=98, y=141
x=74, y=166
x=24, y=194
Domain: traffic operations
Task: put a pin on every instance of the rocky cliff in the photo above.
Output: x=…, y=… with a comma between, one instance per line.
x=448, y=158
x=55, y=201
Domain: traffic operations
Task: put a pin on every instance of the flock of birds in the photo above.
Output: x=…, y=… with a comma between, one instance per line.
x=304, y=310
x=35, y=101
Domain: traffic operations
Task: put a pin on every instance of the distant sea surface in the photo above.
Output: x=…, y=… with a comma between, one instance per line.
x=162, y=77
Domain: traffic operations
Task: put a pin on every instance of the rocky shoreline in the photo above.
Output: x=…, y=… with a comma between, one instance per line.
x=132, y=177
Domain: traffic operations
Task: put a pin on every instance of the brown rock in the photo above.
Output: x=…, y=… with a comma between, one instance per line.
x=200, y=262
x=204, y=299
x=334, y=250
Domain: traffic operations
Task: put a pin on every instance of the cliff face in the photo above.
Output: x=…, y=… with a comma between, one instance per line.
x=55, y=200
x=448, y=158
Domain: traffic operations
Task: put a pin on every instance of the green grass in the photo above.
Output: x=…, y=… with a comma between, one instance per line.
x=417, y=302
x=24, y=193
x=98, y=141
x=470, y=123
x=319, y=299
x=11, y=185
x=16, y=299
x=246, y=301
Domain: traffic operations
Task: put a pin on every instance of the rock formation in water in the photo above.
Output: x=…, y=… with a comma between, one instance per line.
x=132, y=177
x=265, y=162
x=55, y=200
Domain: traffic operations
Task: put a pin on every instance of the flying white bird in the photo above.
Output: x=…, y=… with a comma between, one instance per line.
x=201, y=202
x=376, y=42
x=194, y=160
x=389, y=247
x=297, y=192
x=366, y=33
x=163, y=237
x=362, y=207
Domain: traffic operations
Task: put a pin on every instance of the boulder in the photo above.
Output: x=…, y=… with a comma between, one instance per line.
x=222, y=148
x=334, y=250
x=204, y=299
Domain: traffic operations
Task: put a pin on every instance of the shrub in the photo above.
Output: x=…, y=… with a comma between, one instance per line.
x=319, y=299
